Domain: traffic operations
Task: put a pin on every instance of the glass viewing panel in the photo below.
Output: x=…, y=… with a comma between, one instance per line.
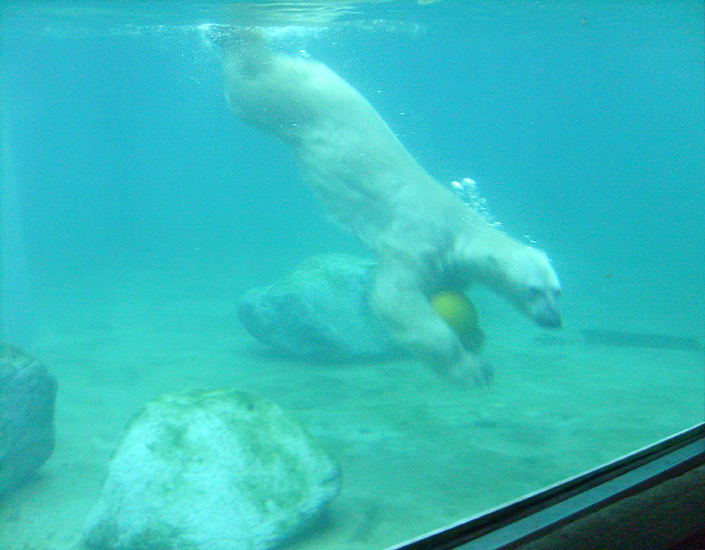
x=162, y=242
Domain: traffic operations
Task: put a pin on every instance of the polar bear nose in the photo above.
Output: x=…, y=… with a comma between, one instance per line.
x=548, y=317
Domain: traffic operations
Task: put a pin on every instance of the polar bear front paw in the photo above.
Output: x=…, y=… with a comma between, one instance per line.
x=471, y=370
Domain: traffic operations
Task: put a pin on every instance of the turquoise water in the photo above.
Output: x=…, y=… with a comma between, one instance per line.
x=137, y=209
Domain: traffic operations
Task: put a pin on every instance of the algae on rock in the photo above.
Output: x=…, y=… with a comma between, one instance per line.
x=223, y=470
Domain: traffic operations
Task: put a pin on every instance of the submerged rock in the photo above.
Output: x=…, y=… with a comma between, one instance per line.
x=27, y=396
x=320, y=310
x=221, y=470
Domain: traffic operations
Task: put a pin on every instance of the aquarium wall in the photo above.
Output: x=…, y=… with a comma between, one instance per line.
x=332, y=275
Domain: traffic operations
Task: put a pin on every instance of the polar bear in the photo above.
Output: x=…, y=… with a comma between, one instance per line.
x=424, y=238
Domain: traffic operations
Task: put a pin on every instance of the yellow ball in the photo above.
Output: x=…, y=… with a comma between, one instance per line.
x=461, y=316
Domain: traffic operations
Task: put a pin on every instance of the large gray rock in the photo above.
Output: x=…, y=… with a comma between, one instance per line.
x=221, y=470
x=320, y=310
x=27, y=395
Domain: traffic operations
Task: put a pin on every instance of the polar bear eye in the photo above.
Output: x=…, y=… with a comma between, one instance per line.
x=535, y=291
x=492, y=260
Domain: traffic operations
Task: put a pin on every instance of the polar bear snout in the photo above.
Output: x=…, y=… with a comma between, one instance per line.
x=543, y=307
x=548, y=317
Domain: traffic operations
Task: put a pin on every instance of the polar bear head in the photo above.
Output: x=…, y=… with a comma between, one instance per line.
x=525, y=277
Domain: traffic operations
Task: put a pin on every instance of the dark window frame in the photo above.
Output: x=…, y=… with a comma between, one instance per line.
x=532, y=517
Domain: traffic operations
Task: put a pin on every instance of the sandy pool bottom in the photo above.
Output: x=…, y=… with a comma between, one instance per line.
x=415, y=452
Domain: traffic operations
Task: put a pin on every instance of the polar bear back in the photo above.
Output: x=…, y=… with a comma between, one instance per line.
x=356, y=164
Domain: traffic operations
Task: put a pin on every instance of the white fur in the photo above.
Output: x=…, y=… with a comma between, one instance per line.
x=424, y=238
